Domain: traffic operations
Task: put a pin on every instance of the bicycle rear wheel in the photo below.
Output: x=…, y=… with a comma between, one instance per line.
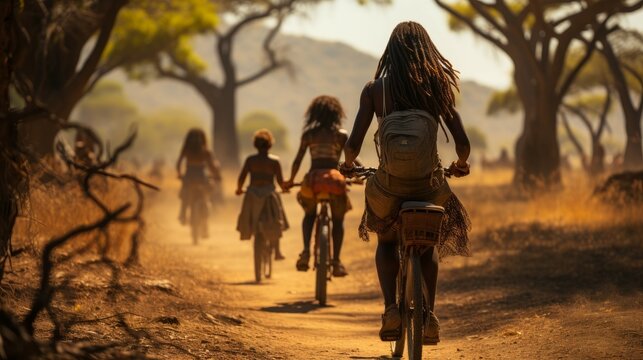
x=322, y=263
x=415, y=312
x=195, y=221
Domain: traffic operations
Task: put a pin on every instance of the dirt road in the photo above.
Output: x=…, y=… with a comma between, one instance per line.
x=527, y=293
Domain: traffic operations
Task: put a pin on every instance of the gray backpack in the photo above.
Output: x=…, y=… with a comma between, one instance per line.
x=406, y=143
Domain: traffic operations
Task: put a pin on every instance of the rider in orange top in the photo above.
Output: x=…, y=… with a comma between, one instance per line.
x=324, y=136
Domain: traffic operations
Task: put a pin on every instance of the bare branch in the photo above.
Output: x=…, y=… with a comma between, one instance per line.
x=574, y=140
x=476, y=29
x=603, y=116
x=274, y=63
x=589, y=50
x=77, y=85
x=267, y=12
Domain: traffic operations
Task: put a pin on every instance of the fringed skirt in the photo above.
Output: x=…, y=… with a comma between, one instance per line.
x=384, y=198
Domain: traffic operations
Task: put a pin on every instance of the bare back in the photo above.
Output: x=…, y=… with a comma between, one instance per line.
x=263, y=168
x=325, y=146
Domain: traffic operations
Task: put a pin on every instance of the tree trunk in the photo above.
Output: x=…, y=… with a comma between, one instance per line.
x=633, y=157
x=537, y=148
x=10, y=165
x=224, y=128
x=39, y=135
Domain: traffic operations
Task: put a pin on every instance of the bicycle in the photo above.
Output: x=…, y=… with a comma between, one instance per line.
x=419, y=225
x=262, y=248
x=198, y=209
x=323, y=262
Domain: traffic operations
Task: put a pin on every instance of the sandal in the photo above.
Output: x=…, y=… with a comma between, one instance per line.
x=302, y=262
x=391, y=324
x=431, y=334
x=338, y=269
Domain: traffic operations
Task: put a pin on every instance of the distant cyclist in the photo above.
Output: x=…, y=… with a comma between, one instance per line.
x=262, y=213
x=412, y=94
x=197, y=157
x=324, y=136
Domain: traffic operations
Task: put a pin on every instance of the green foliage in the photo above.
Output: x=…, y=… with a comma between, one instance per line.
x=477, y=138
x=466, y=10
x=147, y=28
x=108, y=111
x=260, y=119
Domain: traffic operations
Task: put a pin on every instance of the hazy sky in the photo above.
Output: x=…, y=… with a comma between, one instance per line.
x=367, y=28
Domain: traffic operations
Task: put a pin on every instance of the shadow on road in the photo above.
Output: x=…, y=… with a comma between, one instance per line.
x=297, y=307
x=533, y=265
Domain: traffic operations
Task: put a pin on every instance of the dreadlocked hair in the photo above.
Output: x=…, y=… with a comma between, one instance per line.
x=418, y=76
x=324, y=112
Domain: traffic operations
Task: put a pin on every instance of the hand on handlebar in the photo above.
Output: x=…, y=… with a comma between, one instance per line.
x=287, y=185
x=458, y=170
x=347, y=171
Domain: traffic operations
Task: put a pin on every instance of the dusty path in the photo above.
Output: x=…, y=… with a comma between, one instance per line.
x=505, y=302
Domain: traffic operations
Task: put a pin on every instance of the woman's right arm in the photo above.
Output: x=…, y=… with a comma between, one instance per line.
x=303, y=145
x=362, y=123
x=242, y=178
x=178, y=164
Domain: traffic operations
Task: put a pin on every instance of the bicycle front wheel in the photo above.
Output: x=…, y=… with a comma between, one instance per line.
x=322, y=263
x=267, y=259
x=415, y=312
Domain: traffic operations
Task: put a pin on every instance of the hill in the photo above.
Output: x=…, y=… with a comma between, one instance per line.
x=319, y=67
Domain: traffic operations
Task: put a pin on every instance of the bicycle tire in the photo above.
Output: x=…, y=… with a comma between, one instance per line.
x=415, y=317
x=267, y=259
x=258, y=250
x=195, y=221
x=398, y=346
x=322, y=263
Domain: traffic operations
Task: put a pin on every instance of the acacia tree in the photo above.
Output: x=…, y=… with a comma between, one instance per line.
x=220, y=95
x=54, y=70
x=537, y=36
x=50, y=69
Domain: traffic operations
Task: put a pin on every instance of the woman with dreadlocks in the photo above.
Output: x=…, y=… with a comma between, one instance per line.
x=325, y=138
x=414, y=82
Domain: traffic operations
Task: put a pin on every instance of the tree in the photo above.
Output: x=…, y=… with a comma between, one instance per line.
x=624, y=64
x=54, y=71
x=221, y=95
x=51, y=70
x=537, y=36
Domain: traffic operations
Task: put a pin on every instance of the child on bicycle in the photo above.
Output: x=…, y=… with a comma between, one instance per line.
x=197, y=158
x=262, y=213
x=414, y=83
x=324, y=136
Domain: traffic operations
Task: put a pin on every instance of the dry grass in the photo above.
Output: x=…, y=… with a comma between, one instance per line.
x=52, y=210
x=493, y=203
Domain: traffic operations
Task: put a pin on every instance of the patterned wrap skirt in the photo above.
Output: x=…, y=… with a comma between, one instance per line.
x=385, y=195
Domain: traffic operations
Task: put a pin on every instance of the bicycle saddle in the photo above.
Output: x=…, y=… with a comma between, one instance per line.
x=421, y=205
